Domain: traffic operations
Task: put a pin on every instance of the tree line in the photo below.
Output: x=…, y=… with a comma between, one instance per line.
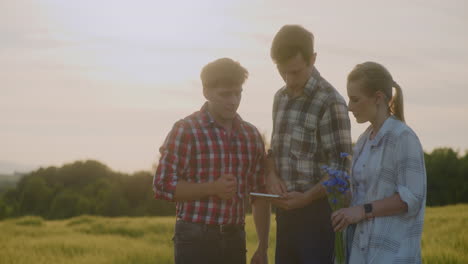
x=90, y=187
x=83, y=187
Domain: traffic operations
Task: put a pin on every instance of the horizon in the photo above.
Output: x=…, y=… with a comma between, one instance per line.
x=107, y=80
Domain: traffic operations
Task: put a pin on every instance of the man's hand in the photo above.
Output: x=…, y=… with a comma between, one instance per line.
x=225, y=187
x=259, y=257
x=345, y=216
x=291, y=201
x=275, y=185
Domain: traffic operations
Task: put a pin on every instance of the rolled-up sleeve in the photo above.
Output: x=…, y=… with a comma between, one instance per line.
x=411, y=172
x=175, y=155
x=257, y=182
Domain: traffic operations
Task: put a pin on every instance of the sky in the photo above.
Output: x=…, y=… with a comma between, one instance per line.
x=106, y=80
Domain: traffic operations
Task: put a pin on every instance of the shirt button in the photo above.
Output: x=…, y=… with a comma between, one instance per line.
x=362, y=249
x=362, y=232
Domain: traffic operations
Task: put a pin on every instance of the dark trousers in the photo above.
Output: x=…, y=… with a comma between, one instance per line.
x=196, y=243
x=305, y=235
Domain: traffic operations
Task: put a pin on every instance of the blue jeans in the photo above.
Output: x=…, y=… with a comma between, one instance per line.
x=199, y=243
x=305, y=235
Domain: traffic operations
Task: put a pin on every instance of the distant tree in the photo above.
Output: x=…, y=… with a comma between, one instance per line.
x=10, y=200
x=35, y=197
x=64, y=205
x=462, y=180
x=84, y=206
x=136, y=187
x=5, y=210
x=110, y=200
x=442, y=169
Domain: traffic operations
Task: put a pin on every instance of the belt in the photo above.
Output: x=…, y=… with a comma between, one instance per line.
x=221, y=228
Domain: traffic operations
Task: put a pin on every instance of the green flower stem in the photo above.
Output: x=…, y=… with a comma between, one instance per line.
x=339, y=248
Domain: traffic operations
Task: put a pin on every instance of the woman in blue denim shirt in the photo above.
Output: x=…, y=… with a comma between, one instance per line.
x=384, y=222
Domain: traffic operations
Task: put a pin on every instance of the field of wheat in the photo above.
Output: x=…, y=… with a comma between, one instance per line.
x=90, y=239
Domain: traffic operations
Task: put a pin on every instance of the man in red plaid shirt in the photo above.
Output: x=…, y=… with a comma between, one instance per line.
x=209, y=163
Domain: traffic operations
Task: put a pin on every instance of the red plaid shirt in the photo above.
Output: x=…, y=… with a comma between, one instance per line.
x=198, y=150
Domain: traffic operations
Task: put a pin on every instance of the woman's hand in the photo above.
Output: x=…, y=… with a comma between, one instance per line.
x=347, y=216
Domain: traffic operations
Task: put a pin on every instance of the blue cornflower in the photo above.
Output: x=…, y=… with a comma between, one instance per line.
x=341, y=182
x=339, y=173
x=344, y=155
x=346, y=176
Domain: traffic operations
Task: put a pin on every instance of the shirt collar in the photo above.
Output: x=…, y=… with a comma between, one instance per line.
x=208, y=120
x=384, y=129
x=311, y=84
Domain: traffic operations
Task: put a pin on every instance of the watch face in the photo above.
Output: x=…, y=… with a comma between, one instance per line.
x=368, y=208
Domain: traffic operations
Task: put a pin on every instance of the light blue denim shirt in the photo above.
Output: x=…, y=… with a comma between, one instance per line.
x=395, y=164
x=359, y=178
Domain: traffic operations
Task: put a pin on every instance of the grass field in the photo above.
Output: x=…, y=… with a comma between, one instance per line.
x=89, y=239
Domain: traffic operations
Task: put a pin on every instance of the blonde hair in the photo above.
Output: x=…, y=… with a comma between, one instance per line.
x=375, y=77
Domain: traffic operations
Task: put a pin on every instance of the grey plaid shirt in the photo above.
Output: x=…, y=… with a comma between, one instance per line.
x=309, y=131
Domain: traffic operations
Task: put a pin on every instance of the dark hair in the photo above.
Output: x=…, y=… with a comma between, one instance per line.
x=223, y=71
x=375, y=77
x=290, y=41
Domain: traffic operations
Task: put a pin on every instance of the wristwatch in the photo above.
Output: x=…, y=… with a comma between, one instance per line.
x=368, y=212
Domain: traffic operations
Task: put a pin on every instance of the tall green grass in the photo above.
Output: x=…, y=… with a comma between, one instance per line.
x=90, y=239
x=445, y=235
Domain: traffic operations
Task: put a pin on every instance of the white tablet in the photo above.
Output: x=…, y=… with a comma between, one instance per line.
x=265, y=195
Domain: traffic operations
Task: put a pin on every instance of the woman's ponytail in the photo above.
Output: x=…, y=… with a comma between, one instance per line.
x=396, y=103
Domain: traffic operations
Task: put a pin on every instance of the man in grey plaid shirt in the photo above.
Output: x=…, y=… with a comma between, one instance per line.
x=310, y=129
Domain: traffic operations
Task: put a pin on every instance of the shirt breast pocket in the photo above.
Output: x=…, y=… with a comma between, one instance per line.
x=303, y=142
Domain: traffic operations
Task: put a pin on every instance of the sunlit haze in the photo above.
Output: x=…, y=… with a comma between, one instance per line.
x=106, y=80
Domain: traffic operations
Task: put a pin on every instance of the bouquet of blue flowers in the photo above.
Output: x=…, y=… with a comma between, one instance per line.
x=338, y=192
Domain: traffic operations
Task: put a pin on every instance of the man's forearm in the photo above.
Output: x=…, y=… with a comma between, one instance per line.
x=270, y=166
x=261, y=214
x=187, y=191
